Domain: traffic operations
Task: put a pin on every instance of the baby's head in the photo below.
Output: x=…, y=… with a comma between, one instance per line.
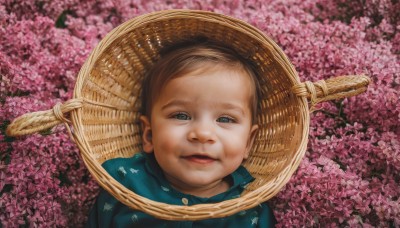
x=200, y=107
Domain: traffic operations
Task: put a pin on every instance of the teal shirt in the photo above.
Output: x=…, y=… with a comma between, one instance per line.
x=142, y=174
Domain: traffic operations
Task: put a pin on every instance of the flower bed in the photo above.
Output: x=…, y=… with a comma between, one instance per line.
x=350, y=175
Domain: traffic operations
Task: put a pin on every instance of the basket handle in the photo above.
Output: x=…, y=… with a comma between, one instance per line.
x=332, y=88
x=320, y=91
x=42, y=120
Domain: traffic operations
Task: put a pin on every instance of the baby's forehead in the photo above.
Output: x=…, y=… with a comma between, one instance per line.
x=211, y=80
x=204, y=67
x=217, y=70
x=217, y=89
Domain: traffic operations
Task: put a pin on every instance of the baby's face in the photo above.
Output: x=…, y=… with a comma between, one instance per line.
x=201, y=128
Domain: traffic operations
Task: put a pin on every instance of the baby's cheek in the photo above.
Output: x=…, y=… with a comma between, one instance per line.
x=168, y=144
x=163, y=135
x=236, y=153
x=236, y=142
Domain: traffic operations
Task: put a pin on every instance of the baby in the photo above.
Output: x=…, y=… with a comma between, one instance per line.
x=198, y=125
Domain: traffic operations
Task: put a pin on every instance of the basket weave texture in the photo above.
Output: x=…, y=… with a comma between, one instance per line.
x=104, y=110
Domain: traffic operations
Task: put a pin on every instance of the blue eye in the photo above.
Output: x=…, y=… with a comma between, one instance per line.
x=181, y=116
x=225, y=119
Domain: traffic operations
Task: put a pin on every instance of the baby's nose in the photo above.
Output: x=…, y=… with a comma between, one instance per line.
x=202, y=132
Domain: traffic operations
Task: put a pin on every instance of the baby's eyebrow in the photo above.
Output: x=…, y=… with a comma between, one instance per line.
x=233, y=107
x=172, y=103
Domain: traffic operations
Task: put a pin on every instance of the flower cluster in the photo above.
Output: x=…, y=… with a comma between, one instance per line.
x=350, y=175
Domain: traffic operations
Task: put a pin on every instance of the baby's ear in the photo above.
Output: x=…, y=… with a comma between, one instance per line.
x=252, y=136
x=147, y=140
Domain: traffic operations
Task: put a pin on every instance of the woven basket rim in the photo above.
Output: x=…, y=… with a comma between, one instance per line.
x=200, y=211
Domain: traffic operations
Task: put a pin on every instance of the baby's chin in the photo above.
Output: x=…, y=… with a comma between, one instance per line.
x=201, y=188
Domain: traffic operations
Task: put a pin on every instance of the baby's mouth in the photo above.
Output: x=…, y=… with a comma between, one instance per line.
x=201, y=159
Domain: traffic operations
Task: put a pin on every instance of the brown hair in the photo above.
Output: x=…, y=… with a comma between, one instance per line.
x=187, y=57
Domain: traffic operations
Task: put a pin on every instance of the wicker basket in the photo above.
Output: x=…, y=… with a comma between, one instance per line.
x=104, y=109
